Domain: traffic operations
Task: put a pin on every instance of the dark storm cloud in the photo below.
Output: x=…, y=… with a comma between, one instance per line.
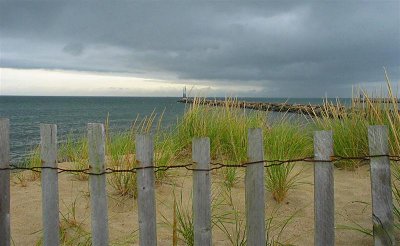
x=275, y=45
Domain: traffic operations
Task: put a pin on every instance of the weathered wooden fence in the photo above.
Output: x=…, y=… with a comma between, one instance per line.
x=382, y=210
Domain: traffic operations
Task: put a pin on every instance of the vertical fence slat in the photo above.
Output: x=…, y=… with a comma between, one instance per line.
x=202, y=192
x=4, y=182
x=381, y=189
x=50, y=206
x=146, y=193
x=255, y=190
x=98, y=195
x=324, y=204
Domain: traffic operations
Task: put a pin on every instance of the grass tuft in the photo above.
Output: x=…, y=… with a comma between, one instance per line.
x=32, y=160
x=120, y=150
x=76, y=151
x=284, y=141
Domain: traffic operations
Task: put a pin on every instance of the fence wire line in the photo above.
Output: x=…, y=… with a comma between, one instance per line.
x=190, y=166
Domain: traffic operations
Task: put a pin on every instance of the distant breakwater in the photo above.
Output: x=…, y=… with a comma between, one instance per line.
x=306, y=109
x=376, y=100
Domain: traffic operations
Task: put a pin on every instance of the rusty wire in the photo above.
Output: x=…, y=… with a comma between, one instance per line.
x=192, y=166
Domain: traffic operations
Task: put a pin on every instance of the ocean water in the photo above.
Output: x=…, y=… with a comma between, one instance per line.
x=71, y=114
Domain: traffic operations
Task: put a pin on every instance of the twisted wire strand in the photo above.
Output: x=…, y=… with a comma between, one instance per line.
x=192, y=167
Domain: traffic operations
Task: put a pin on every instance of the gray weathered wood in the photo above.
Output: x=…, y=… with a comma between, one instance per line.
x=4, y=182
x=324, y=204
x=50, y=206
x=381, y=189
x=98, y=195
x=255, y=190
x=146, y=193
x=201, y=192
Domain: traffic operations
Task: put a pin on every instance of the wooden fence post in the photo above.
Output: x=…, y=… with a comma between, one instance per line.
x=98, y=195
x=146, y=194
x=201, y=192
x=381, y=189
x=255, y=190
x=4, y=182
x=50, y=206
x=324, y=203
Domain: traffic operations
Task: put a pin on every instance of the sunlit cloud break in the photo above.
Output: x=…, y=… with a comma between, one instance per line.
x=37, y=82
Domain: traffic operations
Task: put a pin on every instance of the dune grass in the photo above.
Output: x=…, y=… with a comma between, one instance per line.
x=350, y=133
x=120, y=151
x=120, y=148
x=225, y=126
x=182, y=219
x=350, y=127
x=31, y=160
x=233, y=223
x=284, y=141
x=167, y=152
x=386, y=114
x=75, y=150
x=72, y=231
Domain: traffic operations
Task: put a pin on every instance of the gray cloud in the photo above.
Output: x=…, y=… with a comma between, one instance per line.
x=75, y=49
x=291, y=48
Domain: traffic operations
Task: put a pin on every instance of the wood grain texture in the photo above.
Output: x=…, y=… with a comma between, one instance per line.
x=255, y=190
x=202, y=192
x=50, y=206
x=4, y=182
x=98, y=194
x=146, y=193
x=324, y=203
x=381, y=189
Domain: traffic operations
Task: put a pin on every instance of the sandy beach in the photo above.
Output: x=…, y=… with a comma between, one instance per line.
x=352, y=207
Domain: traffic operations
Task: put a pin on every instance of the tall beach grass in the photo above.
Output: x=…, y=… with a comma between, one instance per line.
x=284, y=141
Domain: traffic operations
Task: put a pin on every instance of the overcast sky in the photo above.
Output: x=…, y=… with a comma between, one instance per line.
x=134, y=48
